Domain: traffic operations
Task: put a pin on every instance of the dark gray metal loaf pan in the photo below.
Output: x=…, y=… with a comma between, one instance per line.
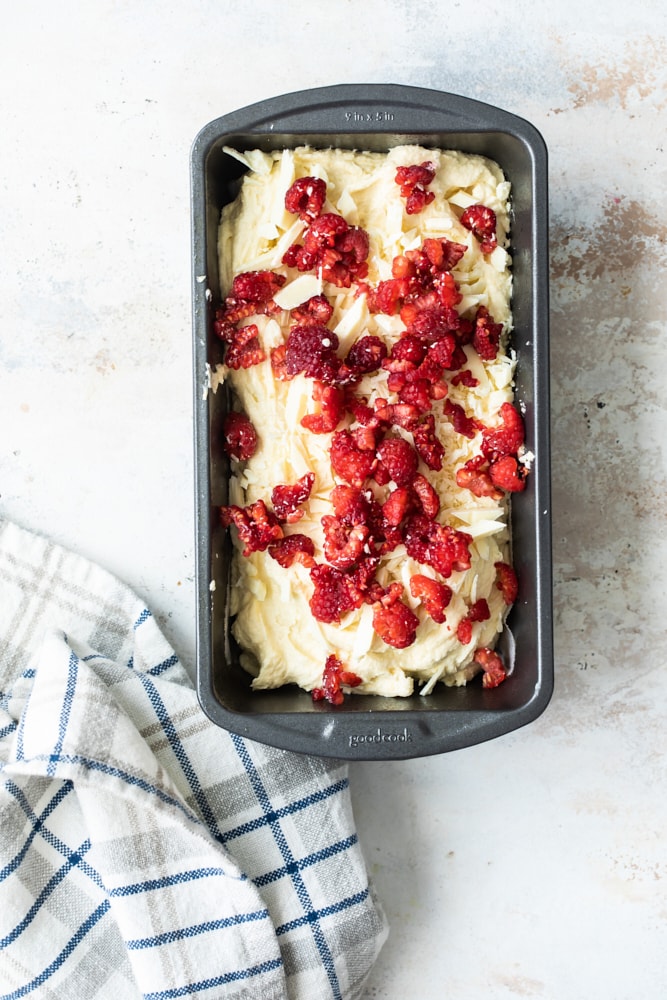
x=377, y=117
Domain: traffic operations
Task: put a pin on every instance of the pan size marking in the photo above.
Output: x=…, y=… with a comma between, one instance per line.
x=369, y=116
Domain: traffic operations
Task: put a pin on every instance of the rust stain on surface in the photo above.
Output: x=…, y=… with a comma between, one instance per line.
x=638, y=74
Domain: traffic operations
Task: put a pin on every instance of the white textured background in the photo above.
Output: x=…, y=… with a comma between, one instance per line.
x=532, y=866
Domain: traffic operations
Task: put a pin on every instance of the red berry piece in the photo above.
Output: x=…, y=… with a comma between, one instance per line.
x=306, y=197
x=399, y=459
x=343, y=546
x=413, y=182
x=478, y=612
x=334, y=678
x=294, y=548
x=507, y=474
x=239, y=436
x=396, y=624
x=486, y=335
x=332, y=595
x=287, y=498
x=440, y=546
x=353, y=464
x=434, y=595
x=492, y=665
x=257, y=526
x=507, y=582
x=481, y=221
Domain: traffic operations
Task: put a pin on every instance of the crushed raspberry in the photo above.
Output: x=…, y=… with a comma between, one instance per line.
x=244, y=348
x=481, y=221
x=294, y=548
x=362, y=584
x=429, y=447
x=440, y=546
x=257, y=526
x=486, y=335
x=306, y=197
x=398, y=459
x=474, y=476
x=239, y=438
x=366, y=355
x=287, y=498
x=343, y=546
x=508, y=474
x=410, y=350
x=316, y=309
x=477, y=612
x=351, y=463
x=413, y=182
x=461, y=422
x=331, y=403
x=434, y=595
x=427, y=496
x=332, y=596
x=395, y=623
x=507, y=582
x=311, y=349
x=398, y=505
x=465, y=378
x=505, y=439
x=279, y=363
x=334, y=678
x=492, y=665
x=251, y=293
x=330, y=245
x=353, y=507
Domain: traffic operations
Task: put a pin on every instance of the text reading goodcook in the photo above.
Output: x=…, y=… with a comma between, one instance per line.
x=379, y=736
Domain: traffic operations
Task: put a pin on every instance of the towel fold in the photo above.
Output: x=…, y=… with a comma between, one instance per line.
x=144, y=852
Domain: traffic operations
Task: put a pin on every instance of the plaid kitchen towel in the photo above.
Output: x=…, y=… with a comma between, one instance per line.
x=143, y=851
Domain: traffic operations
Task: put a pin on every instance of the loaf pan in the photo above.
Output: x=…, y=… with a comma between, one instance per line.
x=366, y=727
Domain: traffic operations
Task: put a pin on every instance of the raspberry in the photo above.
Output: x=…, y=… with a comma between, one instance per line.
x=350, y=462
x=306, y=197
x=428, y=446
x=251, y=293
x=331, y=402
x=294, y=548
x=239, y=436
x=461, y=422
x=256, y=525
x=426, y=495
x=443, y=548
x=486, y=336
x=316, y=309
x=311, y=349
x=286, y=499
x=435, y=596
x=279, y=363
x=332, y=596
x=478, y=612
x=507, y=438
x=331, y=246
x=507, y=474
x=244, y=349
x=474, y=477
x=398, y=459
x=465, y=378
x=481, y=221
x=507, y=582
x=409, y=349
x=398, y=504
x=396, y=624
x=343, y=546
x=492, y=665
x=413, y=182
x=334, y=677
x=366, y=355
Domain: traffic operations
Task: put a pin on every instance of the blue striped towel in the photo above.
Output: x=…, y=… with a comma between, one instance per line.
x=143, y=851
